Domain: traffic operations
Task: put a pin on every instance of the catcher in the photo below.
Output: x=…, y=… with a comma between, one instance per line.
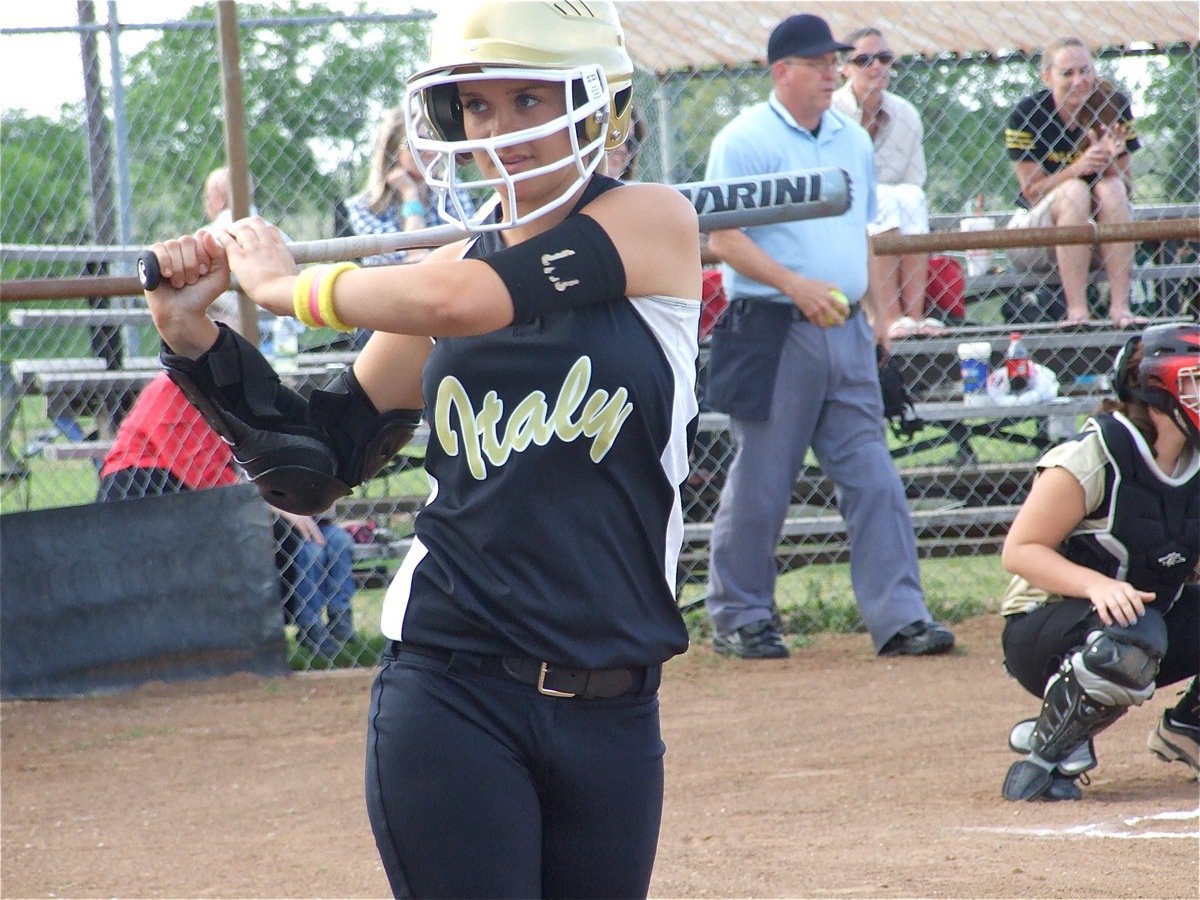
x=1104, y=606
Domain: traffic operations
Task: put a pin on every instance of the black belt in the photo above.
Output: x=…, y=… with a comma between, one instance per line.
x=549, y=679
x=796, y=314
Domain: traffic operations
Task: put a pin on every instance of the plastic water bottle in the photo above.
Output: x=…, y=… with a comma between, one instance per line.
x=973, y=360
x=1017, y=364
x=285, y=343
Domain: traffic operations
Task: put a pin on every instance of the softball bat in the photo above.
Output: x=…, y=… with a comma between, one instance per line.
x=726, y=203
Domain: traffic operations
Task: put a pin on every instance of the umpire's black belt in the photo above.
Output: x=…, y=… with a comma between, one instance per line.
x=549, y=679
x=796, y=314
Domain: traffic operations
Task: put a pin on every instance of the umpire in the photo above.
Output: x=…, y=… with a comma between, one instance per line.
x=794, y=366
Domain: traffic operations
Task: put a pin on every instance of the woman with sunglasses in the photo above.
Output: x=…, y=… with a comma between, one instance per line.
x=896, y=131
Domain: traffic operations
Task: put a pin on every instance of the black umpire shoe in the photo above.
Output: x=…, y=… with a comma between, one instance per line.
x=919, y=639
x=759, y=640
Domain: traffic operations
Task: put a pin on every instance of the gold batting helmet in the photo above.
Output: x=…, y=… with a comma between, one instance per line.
x=580, y=45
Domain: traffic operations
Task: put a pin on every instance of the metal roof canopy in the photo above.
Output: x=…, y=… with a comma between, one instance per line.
x=669, y=37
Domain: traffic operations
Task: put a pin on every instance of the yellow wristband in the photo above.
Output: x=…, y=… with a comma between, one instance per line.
x=301, y=293
x=325, y=296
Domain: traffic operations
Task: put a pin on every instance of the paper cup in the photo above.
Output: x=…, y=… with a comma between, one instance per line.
x=978, y=261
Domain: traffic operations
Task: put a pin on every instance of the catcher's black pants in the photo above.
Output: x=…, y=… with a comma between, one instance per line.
x=479, y=786
x=1036, y=643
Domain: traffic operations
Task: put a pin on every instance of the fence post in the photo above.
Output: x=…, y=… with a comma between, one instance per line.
x=234, y=109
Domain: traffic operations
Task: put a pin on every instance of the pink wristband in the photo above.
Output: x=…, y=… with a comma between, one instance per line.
x=313, y=308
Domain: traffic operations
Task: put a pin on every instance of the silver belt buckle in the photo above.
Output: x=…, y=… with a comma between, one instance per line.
x=541, y=685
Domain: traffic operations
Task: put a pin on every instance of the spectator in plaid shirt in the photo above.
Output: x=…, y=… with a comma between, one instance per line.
x=396, y=197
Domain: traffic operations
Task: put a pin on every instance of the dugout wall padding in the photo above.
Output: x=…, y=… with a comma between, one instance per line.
x=108, y=596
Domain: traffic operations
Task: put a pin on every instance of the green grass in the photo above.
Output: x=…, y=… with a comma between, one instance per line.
x=820, y=598
x=363, y=653
x=366, y=651
x=812, y=600
x=51, y=483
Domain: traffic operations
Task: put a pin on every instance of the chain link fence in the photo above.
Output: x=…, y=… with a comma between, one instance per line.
x=125, y=165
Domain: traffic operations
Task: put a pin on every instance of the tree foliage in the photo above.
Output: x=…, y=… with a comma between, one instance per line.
x=313, y=97
x=40, y=202
x=1171, y=131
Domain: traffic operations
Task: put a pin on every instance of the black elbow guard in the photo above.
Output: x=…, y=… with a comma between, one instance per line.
x=363, y=439
x=302, y=455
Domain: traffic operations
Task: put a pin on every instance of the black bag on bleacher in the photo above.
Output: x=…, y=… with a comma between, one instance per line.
x=1025, y=306
x=897, y=406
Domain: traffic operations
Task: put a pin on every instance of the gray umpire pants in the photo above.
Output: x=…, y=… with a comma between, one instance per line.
x=826, y=396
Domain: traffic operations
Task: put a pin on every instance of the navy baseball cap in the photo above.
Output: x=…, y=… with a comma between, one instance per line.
x=802, y=35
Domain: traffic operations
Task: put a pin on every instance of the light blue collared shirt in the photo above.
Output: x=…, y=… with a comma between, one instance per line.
x=765, y=138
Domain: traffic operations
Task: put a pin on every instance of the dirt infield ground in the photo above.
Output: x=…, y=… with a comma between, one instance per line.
x=830, y=774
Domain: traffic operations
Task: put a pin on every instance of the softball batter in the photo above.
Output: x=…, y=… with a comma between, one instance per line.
x=513, y=746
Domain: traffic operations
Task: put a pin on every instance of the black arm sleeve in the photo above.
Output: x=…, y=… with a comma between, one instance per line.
x=301, y=454
x=573, y=264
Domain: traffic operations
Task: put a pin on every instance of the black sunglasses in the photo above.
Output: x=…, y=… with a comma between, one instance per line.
x=887, y=57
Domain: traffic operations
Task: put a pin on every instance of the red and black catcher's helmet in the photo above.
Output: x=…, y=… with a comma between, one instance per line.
x=1168, y=377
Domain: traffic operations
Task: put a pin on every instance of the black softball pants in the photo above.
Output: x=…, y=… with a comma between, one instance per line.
x=479, y=786
x=1036, y=643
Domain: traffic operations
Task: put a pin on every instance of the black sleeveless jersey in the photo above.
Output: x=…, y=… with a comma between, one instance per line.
x=555, y=457
x=1151, y=531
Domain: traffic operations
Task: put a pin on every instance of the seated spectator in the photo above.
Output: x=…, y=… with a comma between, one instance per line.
x=899, y=282
x=397, y=197
x=321, y=577
x=1072, y=175
x=164, y=446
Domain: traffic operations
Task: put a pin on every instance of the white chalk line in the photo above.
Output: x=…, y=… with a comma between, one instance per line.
x=1102, y=830
x=1178, y=815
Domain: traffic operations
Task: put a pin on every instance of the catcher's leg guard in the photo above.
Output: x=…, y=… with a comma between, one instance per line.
x=1082, y=759
x=1091, y=690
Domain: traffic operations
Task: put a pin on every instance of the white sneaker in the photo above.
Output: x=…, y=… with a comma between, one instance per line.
x=1172, y=741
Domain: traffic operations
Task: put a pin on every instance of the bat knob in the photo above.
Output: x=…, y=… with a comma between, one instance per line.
x=148, y=272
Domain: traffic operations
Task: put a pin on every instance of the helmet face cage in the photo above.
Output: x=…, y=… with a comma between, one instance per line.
x=1188, y=380
x=1168, y=377
x=435, y=128
x=1178, y=386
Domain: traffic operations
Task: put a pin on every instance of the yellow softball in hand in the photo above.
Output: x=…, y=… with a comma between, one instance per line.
x=840, y=298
